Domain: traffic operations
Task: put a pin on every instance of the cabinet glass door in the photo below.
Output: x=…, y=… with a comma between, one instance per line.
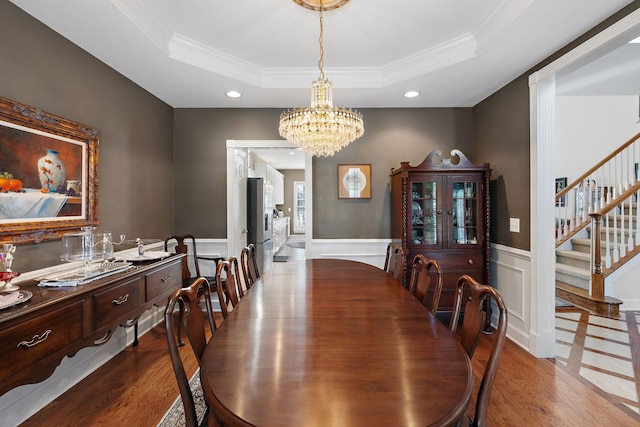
x=424, y=213
x=464, y=212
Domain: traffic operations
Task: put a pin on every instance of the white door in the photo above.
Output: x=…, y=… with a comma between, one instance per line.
x=239, y=203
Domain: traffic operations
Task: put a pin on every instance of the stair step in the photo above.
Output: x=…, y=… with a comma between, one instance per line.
x=575, y=258
x=575, y=276
x=608, y=306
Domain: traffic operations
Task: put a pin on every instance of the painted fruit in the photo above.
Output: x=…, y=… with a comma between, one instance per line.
x=15, y=185
x=4, y=184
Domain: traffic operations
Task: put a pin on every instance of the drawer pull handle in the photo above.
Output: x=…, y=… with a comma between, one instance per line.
x=166, y=278
x=37, y=339
x=470, y=262
x=121, y=300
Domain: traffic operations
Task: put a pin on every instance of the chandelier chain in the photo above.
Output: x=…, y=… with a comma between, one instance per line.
x=321, y=41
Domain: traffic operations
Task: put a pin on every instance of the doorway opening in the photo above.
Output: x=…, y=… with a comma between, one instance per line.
x=238, y=171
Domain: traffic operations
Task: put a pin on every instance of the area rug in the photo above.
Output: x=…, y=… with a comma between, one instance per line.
x=281, y=258
x=299, y=244
x=175, y=415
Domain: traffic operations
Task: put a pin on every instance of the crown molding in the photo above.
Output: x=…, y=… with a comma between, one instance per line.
x=192, y=52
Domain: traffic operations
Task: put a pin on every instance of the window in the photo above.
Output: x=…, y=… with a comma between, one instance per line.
x=299, y=206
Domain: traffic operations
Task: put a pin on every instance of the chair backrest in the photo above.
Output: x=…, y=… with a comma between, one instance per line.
x=396, y=259
x=235, y=266
x=254, y=261
x=184, y=243
x=387, y=258
x=421, y=279
x=190, y=313
x=473, y=324
x=227, y=287
x=250, y=269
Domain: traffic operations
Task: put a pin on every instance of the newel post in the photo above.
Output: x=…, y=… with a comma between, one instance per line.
x=597, y=278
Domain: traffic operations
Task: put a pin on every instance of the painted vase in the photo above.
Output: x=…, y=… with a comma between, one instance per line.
x=52, y=173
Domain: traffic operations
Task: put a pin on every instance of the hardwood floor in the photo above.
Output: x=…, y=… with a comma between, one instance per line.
x=603, y=351
x=138, y=386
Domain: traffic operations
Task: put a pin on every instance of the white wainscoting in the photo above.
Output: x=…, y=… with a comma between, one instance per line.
x=511, y=275
x=368, y=251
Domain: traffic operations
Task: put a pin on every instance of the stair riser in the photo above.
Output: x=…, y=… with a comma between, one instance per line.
x=573, y=262
x=578, y=282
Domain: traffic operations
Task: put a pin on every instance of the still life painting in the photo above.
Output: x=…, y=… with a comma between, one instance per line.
x=47, y=173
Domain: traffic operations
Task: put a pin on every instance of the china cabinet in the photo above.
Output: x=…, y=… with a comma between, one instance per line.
x=440, y=209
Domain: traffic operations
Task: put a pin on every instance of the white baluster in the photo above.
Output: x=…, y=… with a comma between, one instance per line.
x=630, y=247
x=608, y=243
x=623, y=248
x=637, y=216
x=616, y=253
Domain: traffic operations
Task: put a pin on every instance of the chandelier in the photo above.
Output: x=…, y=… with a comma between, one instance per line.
x=321, y=129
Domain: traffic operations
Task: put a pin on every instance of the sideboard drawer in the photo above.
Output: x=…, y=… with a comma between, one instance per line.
x=115, y=302
x=164, y=279
x=29, y=342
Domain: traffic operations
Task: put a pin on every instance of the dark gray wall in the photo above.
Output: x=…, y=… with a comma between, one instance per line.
x=290, y=175
x=391, y=136
x=501, y=137
x=501, y=131
x=44, y=70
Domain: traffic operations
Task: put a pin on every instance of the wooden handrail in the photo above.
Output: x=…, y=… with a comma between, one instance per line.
x=597, y=166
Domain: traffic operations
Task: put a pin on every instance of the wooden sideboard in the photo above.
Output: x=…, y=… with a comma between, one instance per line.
x=56, y=322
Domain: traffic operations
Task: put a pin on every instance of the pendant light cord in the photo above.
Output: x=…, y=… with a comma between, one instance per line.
x=321, y=41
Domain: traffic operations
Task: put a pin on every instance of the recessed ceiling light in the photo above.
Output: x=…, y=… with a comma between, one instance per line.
x=411, y=94
x=234, y=94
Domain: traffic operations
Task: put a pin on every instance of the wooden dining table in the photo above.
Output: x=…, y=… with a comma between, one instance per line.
x=326, y=342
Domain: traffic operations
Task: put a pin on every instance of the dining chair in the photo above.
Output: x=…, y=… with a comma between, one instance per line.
x=227, y=287
x=186, y=244
x=394, y=263
x=420, y=281
x=235, y=266
x=191, y=318
x=473, y=323
x=249, y=264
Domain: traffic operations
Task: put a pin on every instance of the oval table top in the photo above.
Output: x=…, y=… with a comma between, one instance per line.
x=335, y=343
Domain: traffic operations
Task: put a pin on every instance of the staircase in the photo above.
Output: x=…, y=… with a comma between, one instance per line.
x=573, y=278
x=597, y=218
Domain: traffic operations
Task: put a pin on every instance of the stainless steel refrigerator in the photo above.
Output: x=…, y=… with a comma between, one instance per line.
x=259, y=223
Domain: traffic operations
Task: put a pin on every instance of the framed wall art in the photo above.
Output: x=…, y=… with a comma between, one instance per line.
x=48, y=174
x=354, y=181
x=561, y=184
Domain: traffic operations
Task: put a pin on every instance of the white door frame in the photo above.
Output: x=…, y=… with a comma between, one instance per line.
x=542, y=132
x=233, y=144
